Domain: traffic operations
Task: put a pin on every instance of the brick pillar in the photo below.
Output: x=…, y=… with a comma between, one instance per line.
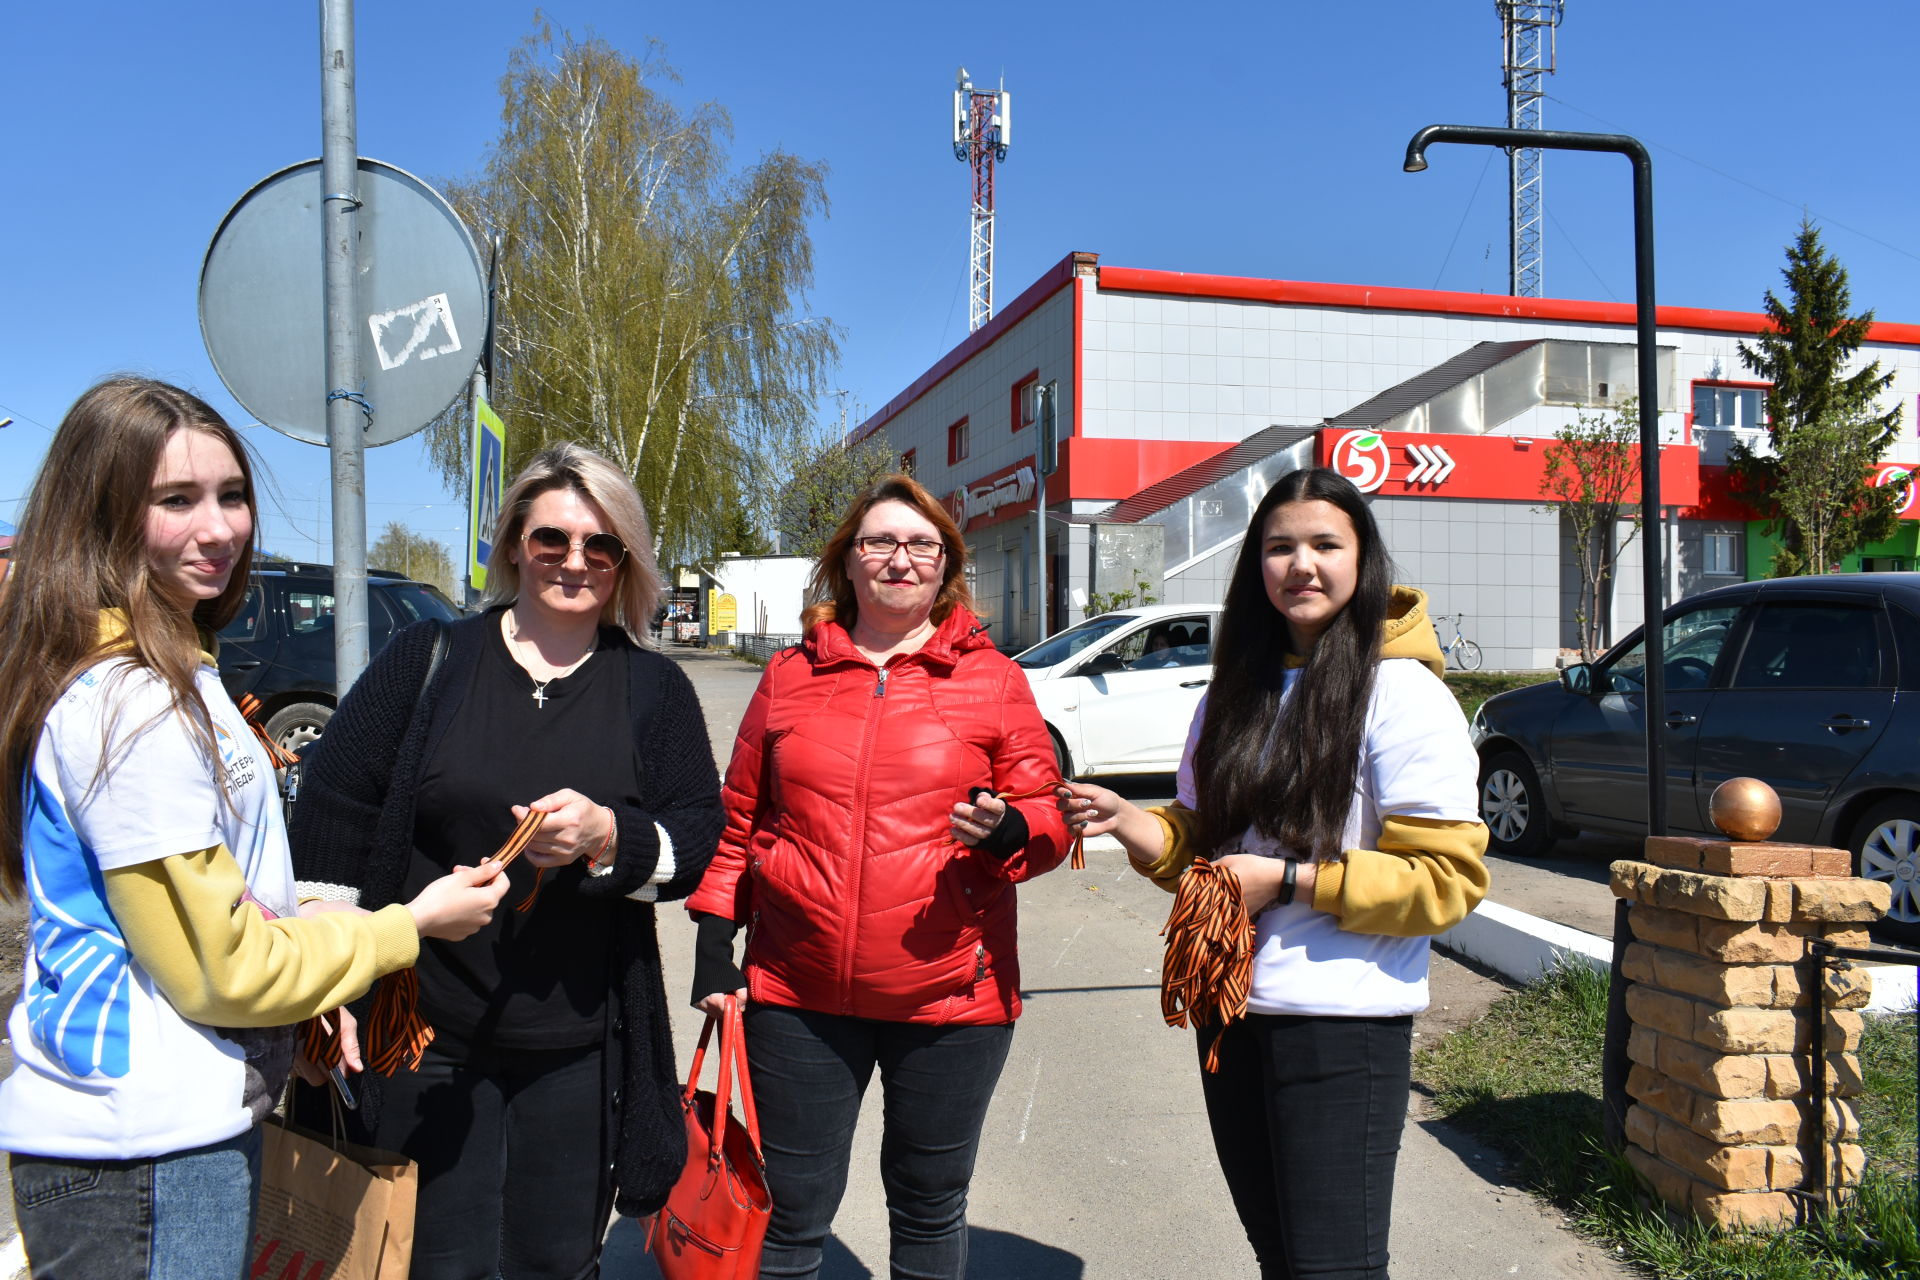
x=1722, y=1033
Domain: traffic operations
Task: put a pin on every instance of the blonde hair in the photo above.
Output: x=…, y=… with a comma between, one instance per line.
x=832, y=589
x=593, y=477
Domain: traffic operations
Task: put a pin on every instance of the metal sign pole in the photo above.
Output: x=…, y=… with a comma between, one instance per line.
x=1045, y=460
x=348, y=413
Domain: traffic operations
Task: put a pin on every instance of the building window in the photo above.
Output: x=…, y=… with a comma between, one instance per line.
x=958, y=446
x=1729, y=406
x=908, y=461
x=1026, y=401
x=1722, y=555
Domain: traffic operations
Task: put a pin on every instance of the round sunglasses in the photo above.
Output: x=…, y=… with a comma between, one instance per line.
x=601, y=552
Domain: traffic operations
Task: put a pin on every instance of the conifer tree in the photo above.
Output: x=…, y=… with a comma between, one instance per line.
x=1824, y=423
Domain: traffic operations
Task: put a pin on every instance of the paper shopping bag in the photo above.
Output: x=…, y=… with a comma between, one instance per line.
x=331, y=1210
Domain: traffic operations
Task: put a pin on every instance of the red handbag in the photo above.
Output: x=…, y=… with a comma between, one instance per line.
x=715, y=1218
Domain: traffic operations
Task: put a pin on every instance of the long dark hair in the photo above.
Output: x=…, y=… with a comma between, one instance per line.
x=1286, y=768
x=82, y=548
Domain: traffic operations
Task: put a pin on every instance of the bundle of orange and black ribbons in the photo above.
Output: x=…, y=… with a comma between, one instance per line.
x=278, y=757
x=1209, y=966
x=396, y=1035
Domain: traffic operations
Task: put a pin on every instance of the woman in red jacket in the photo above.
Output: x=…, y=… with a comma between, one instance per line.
x=869, y=857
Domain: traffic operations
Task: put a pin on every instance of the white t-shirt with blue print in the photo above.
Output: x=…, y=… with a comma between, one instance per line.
x=105, y=1067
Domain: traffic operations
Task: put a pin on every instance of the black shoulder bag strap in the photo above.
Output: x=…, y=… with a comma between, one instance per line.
x=441, y=642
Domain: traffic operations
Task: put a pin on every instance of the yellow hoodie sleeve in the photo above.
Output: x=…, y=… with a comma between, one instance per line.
x=1179, y=828
x=222, y=963
x=1424, y=878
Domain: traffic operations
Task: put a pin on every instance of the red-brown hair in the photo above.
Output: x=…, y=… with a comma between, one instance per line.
x=832, y=590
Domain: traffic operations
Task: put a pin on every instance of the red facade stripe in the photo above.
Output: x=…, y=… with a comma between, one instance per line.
x=1380, y=298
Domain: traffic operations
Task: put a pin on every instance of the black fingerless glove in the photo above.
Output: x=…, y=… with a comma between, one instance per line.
x=1007, y=839
x=714, y=972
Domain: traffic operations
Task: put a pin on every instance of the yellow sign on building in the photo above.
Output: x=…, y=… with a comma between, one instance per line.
x=725, y=613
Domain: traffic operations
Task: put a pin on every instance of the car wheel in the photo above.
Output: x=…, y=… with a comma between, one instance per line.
x=1062, y=758
x=1513, y=807
x=298, y=725
x=1886, y=847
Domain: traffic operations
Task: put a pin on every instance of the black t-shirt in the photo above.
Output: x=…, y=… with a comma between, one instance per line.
x=534, y=979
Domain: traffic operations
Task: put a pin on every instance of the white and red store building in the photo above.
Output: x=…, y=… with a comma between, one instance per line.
x=1181, y=397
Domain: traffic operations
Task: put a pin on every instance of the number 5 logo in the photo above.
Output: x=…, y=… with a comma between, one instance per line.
x=1891, y=474
x=1361, y=456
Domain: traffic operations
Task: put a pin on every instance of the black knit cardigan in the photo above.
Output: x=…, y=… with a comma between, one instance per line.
x=352, y=830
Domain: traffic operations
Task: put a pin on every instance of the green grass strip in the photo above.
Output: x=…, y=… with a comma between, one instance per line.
x=1526, y=1079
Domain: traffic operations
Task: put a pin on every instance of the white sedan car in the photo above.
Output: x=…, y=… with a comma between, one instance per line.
x=1118, y=691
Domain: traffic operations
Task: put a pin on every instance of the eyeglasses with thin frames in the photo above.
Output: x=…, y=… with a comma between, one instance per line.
x=882, y=546
x=600, y=552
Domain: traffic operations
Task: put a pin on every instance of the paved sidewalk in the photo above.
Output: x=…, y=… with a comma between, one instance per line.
x=1095, y=1160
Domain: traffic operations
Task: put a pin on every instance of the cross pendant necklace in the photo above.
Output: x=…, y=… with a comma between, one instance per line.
x=539, y=695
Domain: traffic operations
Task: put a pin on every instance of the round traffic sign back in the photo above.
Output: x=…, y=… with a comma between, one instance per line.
x=422, y=300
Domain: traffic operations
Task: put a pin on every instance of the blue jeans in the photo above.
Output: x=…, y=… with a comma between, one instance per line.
x=1306, y=1115
x=185, y=1216
x=810, y=1071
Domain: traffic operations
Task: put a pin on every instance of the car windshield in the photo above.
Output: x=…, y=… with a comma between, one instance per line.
x=1055, y=650
x=416, y=600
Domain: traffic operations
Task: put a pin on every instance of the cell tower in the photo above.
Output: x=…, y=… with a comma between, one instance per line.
x=1527, y=36
x=982, y=129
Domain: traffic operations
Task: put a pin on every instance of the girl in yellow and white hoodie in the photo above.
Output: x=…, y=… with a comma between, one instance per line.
x=141, y=822
x=1329, y=769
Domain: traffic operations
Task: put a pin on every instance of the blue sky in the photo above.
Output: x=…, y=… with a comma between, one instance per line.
x=1259, y=139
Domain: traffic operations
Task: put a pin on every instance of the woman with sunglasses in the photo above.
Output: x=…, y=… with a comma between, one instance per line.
x=548, y=1091
x=868, y=855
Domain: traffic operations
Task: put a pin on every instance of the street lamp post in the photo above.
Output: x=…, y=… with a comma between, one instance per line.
x=1613, y=1066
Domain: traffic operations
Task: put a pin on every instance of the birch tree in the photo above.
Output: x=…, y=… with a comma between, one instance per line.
x=651, y=297
x=1592, y=476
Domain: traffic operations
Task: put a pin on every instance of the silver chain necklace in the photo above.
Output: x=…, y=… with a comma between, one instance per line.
x=540, y=698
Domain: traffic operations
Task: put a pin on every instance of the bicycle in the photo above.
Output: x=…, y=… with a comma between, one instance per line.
x=1460, y=650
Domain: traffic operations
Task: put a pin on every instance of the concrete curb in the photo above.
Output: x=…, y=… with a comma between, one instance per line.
x=1521, y=947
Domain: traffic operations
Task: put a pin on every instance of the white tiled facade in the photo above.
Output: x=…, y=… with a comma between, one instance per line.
x=1198, y=370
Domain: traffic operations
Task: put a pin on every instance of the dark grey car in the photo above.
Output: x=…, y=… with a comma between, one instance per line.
x=1811, y=684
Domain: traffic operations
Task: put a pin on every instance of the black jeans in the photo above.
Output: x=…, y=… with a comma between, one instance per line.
x=810, y=1071
x=515, y=1160
x=1306, y=1115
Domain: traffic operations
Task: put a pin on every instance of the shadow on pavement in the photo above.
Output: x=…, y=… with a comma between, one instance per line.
x=1559, y=1118
x=1000, y=1254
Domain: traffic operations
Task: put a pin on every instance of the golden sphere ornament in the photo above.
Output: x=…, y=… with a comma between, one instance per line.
x=1745, y=809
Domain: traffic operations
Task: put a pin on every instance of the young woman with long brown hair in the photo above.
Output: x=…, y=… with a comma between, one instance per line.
x=140, y=820
x=1329, y=770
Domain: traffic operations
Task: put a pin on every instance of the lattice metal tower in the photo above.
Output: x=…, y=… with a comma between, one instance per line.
x=982, y=129
x=1527, y=37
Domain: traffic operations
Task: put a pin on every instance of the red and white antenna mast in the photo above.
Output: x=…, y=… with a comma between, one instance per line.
x=982, y=128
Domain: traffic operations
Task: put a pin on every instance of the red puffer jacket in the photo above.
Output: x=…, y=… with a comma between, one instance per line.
x=837, y=853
